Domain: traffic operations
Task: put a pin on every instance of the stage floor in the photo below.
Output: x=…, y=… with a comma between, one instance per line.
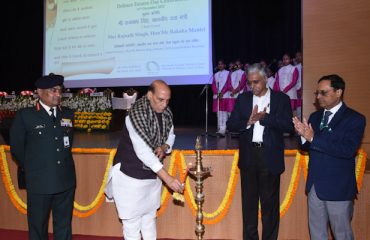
x=185, y=139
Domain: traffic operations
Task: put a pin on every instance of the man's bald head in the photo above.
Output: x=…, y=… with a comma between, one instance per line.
x=157, y=85
x=159, y=94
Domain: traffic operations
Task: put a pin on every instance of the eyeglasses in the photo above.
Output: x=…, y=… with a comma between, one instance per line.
x=255, y=82
x=323, y=93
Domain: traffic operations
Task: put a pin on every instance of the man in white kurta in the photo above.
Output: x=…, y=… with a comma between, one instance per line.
x=135, y=179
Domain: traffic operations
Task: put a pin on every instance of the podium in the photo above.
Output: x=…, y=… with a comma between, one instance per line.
x=120, y=107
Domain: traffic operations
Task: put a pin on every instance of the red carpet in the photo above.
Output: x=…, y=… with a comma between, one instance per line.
x=23, y=235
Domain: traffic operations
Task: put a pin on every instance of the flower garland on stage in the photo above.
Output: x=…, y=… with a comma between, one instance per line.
x=178, y=164
x=165, y=197
x=7, y=180
x=99, y=199
x=220, y=212
x=79, y=210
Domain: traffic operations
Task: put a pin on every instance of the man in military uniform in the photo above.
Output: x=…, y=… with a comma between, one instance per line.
x=41, y=139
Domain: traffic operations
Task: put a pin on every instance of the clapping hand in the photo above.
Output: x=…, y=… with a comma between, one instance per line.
x=304, y=128
x=256, y=116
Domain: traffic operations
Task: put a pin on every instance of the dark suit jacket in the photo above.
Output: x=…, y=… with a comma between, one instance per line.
x=332, y=154
x=278, y=121
x=37, y=143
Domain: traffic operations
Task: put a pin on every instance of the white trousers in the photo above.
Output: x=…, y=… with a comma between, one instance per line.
x=145, y=224
x=221, y=121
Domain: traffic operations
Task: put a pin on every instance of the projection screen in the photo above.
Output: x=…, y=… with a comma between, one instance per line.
x=102, y=43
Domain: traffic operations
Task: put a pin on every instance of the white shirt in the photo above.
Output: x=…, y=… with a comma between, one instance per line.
x=47, y=108
x=262, y=102
x=333, y=111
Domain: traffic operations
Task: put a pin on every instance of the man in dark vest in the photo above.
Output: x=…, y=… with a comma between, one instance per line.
x=41, y=139
x=135, y=180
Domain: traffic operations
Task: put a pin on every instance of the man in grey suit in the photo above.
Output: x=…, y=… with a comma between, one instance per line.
x=332, y=136
x=41, y=139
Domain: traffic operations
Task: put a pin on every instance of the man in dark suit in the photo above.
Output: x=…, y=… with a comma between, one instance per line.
x=261, y=116
x=41, y=139
x=332, y=136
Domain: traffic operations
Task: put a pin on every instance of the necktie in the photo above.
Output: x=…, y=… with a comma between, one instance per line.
x=52, y=110
x=325, y=119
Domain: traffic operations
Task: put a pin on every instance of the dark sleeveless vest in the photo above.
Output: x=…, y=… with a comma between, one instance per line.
x=131, y=165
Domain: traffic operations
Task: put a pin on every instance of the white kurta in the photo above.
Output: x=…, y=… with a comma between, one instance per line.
x=285, y=78
x=271, y=82
x=136, y=197
x=236, y=78
x=220, y=79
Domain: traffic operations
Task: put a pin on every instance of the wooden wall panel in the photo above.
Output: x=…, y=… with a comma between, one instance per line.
x=336, y=39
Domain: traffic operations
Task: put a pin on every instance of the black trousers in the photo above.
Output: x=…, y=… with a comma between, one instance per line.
x=38, y=212
x=258, y=183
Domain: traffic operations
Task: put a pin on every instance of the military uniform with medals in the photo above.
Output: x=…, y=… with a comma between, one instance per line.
x=41, y=143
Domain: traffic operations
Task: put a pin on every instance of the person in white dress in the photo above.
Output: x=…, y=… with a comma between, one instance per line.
x=221, y=96
x=235, y=84
x=286, y=81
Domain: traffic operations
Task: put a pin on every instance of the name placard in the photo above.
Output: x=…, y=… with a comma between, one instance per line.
x=10, y=96
x=97, y=94
x=67, y=95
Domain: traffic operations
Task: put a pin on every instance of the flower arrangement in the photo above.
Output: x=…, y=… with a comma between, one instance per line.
x=16, y=103
x=92, y=120
x=87, y=103
x=27, y=93
x=92, y=112
x=86, y=91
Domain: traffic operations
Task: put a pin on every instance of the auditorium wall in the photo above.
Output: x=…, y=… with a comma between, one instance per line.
x=336, y=37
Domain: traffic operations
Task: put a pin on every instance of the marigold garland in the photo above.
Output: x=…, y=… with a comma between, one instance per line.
x=304, y=162
x=78, y=209
x=293, y=185
x=165, y=197
x=360, y=167
x=99, y=199
x=359, y=170
x=220, y=212
x=178, y=163
x=9, y=186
